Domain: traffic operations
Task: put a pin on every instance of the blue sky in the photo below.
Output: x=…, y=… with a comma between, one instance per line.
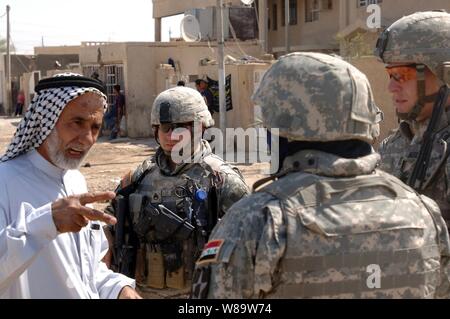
x=63, y=22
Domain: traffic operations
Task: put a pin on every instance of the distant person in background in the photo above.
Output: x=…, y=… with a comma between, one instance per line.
x=20, y=103
x=202, y=87
x=116, y=113
x=181, y=83
x=95, y=76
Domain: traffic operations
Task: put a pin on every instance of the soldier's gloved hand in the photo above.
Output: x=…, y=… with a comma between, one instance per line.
x=143, y=224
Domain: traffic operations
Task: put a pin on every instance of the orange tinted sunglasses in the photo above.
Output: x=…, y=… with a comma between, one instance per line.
x=402, y=73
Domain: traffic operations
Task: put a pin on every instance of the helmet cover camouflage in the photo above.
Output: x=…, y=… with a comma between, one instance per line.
x=317, y=97
x=180, y=105
x=420, y=38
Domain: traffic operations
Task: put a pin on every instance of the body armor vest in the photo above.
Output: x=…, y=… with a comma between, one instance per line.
x=167, y=261
x=340, y=244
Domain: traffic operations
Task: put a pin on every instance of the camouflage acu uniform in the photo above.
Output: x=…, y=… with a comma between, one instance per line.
x=176, y=188
x=399, y=154
x=422, y=38
x=329, y=225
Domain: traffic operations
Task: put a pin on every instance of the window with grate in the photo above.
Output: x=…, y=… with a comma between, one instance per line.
x=312, y=10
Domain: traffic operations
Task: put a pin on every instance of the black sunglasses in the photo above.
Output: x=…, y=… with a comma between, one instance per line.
x=167, y=127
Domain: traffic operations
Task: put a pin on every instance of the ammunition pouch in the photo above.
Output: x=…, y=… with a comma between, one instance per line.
x=142, y=223
x=172, y=255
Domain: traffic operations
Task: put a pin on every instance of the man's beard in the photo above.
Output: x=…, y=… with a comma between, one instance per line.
x=55, y=151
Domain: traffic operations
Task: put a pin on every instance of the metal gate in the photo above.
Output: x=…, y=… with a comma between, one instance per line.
x=110, y=74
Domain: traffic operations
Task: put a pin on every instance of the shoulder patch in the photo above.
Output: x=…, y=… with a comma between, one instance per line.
x=210, y=252
x=216, y=251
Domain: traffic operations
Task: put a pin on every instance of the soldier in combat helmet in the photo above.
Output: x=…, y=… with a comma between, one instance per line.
x=331, y=223
x=173, y=203
x=416, y=52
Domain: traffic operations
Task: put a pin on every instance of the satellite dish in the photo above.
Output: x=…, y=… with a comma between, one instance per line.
x=247, y=2
x=190, y=29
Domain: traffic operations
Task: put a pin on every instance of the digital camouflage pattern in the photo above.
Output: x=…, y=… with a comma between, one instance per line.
x=423, y=37
x=314, y=232
x=297, y=93
x=180, y=105
x=399, y=154
x=313, y=236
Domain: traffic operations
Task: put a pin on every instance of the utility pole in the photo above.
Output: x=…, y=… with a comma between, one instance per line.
x=221, y=62
x=8, y=100
x=263, y=24
x=287, y=21
x=42, y=41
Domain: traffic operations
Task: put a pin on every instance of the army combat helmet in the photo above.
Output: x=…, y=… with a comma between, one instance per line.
x=314, y=97
x=180, y=105
x=423, y=39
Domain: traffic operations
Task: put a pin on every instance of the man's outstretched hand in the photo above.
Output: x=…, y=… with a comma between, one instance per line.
x=70, y=214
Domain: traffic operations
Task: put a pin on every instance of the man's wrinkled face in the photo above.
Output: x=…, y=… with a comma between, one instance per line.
x=75, y=132
x=403, y=87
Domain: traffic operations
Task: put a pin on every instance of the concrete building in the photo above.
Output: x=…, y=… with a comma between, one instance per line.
x=146, y=69
x=338, y=26
x=239, y=21
x=26, y=70
x=167, y=8
x=322, y=25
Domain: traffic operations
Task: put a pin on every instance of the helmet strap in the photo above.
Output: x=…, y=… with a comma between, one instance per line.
x=155, y=133
x=422, y=99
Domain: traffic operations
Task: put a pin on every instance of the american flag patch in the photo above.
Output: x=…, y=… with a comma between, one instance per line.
x=210, y=252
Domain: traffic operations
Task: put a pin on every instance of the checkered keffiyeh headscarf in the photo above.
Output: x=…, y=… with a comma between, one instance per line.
x=42, y=115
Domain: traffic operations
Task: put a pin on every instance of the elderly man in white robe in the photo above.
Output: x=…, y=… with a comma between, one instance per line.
x=51, y=240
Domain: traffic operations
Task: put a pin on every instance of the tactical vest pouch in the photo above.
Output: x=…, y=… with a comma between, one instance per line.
x=155, y=268
x=142, y=219
x=176, y=279
x=140, y=266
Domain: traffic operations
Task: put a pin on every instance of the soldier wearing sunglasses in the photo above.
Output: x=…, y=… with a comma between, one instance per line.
x=416, y=51
x=174, y=200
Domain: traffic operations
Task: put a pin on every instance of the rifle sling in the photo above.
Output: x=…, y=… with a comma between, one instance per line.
x=423, y=159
